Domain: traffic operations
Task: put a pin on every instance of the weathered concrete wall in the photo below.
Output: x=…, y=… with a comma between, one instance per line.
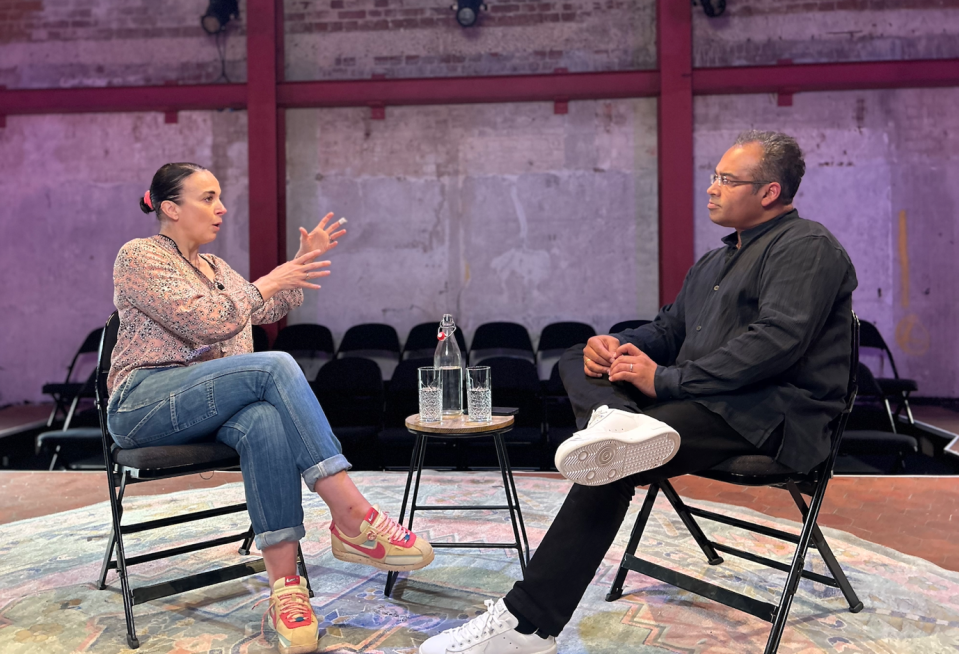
x=761, y=32
x=343, y=39
x=504, y=212
x=67, y=43
x=70, y=187
x=882, y=174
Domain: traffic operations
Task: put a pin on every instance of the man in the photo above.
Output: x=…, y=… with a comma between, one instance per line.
x=751, y=358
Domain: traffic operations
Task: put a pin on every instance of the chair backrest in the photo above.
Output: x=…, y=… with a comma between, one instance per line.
x=563, y=335
x=869, y=336
x=261, y=340
x=516, y=384
x=495, y=339
x=108, y=341
x=402, y=399
x=421, y=341
x=370, y=336
x=350, y=392
x=81, y=366
x=627, y=324
x=304, y=337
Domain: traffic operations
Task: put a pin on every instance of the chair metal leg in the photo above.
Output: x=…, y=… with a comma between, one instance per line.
x=691, y=525
x=247, y=543
x=798, y=562
x=616, y=590
x=53, y=461
x=504, y=470
x=892, y=420
x=116, y=511
x=107, y=557
x=855, y=606
x=415, y=467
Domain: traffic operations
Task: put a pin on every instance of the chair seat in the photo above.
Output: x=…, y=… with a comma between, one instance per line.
x=69, y=389
x=870, y=441
x=168, y=460
x=60, y=437
x=893, y=386
x=753, y=470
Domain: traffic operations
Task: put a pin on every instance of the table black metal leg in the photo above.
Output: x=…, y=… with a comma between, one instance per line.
x=501, y=456
x=519, y=511
x=415, y=466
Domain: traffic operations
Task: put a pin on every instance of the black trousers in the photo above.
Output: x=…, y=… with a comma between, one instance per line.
x=575, y=544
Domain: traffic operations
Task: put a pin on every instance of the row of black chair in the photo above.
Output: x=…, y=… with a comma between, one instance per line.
x=312, y=345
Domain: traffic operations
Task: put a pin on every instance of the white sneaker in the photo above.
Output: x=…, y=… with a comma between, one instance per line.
x=494, y=632
x=615, y=444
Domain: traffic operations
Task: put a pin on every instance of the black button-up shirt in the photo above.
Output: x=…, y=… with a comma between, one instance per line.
x=761, y=336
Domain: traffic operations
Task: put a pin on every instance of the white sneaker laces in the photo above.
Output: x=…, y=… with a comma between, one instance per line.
x=481, y=625
x=599, y=413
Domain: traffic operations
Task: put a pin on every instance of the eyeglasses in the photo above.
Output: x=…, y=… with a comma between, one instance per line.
x=722, y=180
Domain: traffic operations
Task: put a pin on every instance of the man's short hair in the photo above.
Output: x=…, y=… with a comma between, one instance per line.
x=782, y=160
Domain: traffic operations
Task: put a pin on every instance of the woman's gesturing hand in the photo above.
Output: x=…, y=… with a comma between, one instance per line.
x=322, y=238
x=293, y=274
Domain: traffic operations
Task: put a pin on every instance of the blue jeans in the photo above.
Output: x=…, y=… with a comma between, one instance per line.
x=260, y=405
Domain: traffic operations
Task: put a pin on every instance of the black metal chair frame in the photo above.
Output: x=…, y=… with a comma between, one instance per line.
x=509, y=485
x=120, y=476
x=812, y=484
x=68, y=394
x=875, y=340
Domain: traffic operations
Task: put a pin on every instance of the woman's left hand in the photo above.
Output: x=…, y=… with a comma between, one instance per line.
x=322, y=238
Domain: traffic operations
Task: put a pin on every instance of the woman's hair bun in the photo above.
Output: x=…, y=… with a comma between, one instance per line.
x=144, y=208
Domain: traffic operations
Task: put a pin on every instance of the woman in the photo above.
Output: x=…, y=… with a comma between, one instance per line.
x=183, y=371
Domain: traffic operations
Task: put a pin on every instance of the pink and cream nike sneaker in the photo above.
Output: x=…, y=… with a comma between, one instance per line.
x=382, y=543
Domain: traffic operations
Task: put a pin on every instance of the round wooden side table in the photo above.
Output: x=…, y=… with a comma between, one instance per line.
x=454, y=428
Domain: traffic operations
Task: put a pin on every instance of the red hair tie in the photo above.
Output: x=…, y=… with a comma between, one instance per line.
x=147, y=200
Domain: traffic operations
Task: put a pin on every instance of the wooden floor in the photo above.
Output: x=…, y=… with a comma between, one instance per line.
x=913, y=515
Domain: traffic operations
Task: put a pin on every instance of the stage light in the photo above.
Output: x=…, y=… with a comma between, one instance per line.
x=467, y=11
x=713, y=11
x=218, y=14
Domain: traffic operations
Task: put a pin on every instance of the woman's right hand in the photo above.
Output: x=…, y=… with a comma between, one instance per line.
x=293, y=274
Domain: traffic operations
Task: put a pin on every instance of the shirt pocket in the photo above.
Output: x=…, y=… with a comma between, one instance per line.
x=192, y=405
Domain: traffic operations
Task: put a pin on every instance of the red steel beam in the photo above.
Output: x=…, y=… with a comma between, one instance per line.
x=926, y=73
x=469, y=90
x=513, y=88
x=262, y=136
x=123, y=98
x=674, y=32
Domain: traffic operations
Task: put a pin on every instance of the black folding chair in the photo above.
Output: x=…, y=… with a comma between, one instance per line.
x=555, y=339
x=421, y=342
x=309, y=344
x=261, y=340
x=755, y=470
x=67, y=394
x=130, y=466
x=374, y=341
x=73, y=447
x=351, y=394
x=896, y=387
x=627, y=324
x=501, y=339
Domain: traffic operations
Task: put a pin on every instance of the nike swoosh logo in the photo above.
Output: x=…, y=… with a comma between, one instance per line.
x=377, y=552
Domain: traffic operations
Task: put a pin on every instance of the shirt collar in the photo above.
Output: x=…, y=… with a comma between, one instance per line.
x=750, y=234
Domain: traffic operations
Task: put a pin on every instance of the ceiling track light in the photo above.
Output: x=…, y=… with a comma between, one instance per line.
x=467, y=11
x=218, y=14
x=713, y=8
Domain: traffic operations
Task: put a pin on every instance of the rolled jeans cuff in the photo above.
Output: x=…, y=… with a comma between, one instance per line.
x=326, y=468
x=268, y=538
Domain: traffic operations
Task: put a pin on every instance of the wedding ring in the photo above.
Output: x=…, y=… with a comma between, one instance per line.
x=630, y=367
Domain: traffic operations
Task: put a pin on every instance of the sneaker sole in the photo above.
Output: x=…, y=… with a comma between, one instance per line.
x=605, y=461
x=296, y=649
x=349, y=557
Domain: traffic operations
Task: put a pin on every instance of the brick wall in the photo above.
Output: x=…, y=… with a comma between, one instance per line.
x=761, y=32
x=341, y=39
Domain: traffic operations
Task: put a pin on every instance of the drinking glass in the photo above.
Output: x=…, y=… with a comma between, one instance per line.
x=431, y=395
x=479, y=394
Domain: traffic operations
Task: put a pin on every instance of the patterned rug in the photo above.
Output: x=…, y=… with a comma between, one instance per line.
x=48, y=602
